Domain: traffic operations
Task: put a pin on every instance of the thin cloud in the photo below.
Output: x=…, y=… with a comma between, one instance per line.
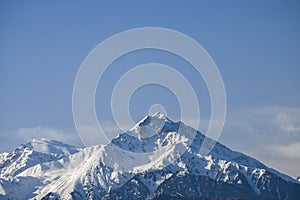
x=290, y=150
x=270, y=134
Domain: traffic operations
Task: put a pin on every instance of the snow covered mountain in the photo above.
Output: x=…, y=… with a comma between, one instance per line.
x=127, y=168
x=32, y=153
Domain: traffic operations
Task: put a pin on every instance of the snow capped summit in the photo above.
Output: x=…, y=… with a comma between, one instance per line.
x=151, y=133
x=150, y=125
x=159, y=115
x=156, y=159
x=32, y=153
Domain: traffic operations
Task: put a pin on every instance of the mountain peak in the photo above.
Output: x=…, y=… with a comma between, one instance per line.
x=150, y=125
x=159, y=115
x=150, y=119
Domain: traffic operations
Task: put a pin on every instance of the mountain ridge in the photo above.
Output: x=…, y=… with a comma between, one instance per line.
x=129, y=168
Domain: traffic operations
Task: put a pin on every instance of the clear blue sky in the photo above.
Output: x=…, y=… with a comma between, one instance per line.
x=255, y=45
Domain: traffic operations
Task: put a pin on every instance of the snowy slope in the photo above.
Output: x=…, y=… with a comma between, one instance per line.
x=32, y=153
x=156, y=159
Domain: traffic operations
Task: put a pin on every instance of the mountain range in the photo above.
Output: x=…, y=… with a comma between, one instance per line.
x=156, y=159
